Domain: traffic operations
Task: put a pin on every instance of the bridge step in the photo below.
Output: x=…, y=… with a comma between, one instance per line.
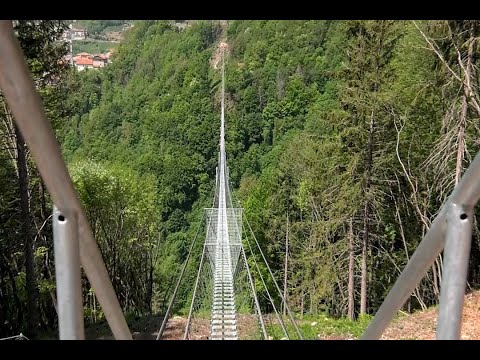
x=218, y=334
x=226, y=302
x=222, y=312
x=224, y=321
x=224, y=327
x=224, y=297
x=231, y=335
x=223, y=316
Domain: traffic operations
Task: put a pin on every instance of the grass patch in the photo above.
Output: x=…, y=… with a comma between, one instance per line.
x=314, y=327
x=92, y=47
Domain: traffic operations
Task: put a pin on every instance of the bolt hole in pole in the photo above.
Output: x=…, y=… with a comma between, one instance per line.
x=458, y=237
x=61, y=218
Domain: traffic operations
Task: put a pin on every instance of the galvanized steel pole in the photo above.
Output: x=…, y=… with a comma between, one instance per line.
x=415, y=270
x=27, y=109
x=455, y=260
x=68, y=275
x=467, y=193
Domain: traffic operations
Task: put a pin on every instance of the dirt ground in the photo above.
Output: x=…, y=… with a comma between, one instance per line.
x=199, y=329
x=417, y=326
x=422, y=325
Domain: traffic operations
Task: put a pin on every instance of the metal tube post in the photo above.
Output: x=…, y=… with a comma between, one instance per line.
x=415, y=270
x=68, y=275
x=467, y=192
x=25, y=103
x=456, y=257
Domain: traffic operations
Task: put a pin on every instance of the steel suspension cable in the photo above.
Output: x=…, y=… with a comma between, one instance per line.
x=276, y=284
x=282, y=324
x=250, y=280
x=174, y=295
x=257, y=305
x=187, y=327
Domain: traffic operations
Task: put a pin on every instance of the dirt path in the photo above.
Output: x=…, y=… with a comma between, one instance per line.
x=199, y=329
x=215, y=61
x=417, y=326
x=422, y=325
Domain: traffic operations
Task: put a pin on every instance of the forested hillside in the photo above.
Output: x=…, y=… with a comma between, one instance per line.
x=343, y=140
x=99, y=28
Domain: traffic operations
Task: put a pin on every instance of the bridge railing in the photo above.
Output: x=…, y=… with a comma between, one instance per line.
x=73, y=239
x=452, y=232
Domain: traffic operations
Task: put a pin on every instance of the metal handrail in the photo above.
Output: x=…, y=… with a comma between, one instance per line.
x=25, y=103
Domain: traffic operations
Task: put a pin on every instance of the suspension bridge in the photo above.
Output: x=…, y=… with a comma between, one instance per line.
x=225, y=260
x=223, y=273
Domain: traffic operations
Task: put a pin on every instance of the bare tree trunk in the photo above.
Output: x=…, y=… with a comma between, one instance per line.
x=94, y=309
x=363, y=278
x=351, y=303
x=366, y=219
x=311, y=301
x=302, y=304
x=285, y=290
x=463, y=122
x=461, y=139
x=31, y=283
x=43, y=205
x=150, y=287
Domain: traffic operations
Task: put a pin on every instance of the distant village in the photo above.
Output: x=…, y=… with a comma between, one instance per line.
x=84, y=60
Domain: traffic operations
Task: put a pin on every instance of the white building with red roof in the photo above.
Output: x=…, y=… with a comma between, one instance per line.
x=82, y=63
